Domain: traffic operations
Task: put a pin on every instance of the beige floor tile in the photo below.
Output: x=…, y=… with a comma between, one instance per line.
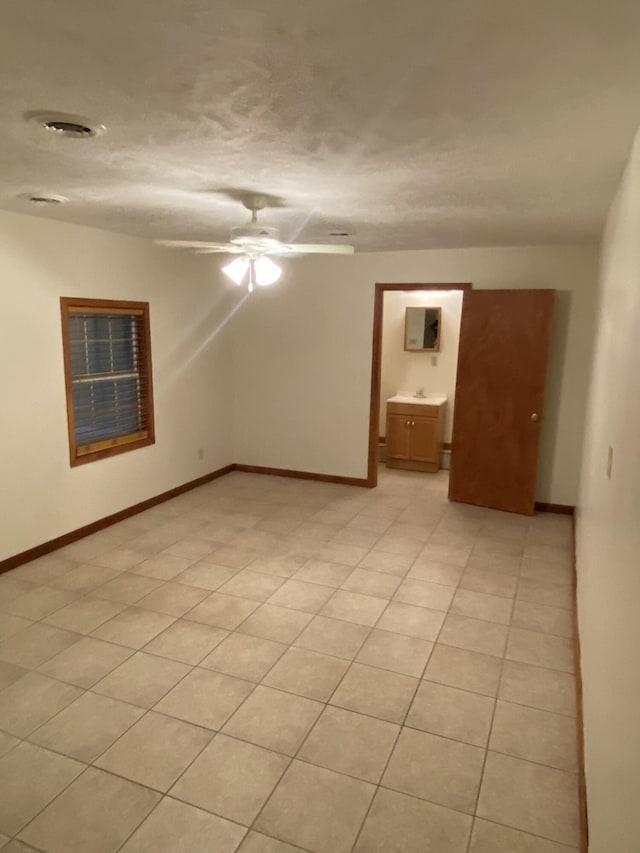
x=535, y=736
x=10, y=673
x=547, y=689
x=464, y=669
x=205, y=698
x=530, y=797
x=406, y=825
x=376, y=692
x=127, y=588
x=548, y=553
x=15, y=846
x=231, y=778
x=223, y=611
x=7, y=742
x=35, y=644
x=488, y=638
x=256, y=842
x=31, y=701
x=173, y=599
x=307, y=673
x=155, y=751
x=452, y=713
x=448, y=554
x=84, y=729
x=335, y=552
x=350, y=743
x=252, y=585
x=10, y=625
x=479, y=605
x=437, y=769
x=354, y=607
x=433, y=572
x=121, y=557
x=392, y=564
x=369, y=523
x=490, y=583
x=546, y=593
x=186, y=641
x=540, y=649
x=244, y=656
x=164, y=567
x=316, y=809
x=503, y=564
x=30, y=777
x=333, y=637
x=142, y=679
x=206, y=576
x=492, y=838
x=297, y=595
x=84, y=579
x=539, y=617
x=407, y=655
x=282, y=565
x=174, y=827
x=134, y=627
x=369, y=582
x=86, y=662
x=412, y=621
x=275, y=623
x=424, y=594
x=44, y=569
x=234, y=556
x=275, y=720
x=97, y=812
x=38, y=602
x=191, y=547
x=84, y=614
x=321, y=572
x=11, y=588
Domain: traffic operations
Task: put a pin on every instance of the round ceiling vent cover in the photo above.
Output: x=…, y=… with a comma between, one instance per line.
x=66, y=125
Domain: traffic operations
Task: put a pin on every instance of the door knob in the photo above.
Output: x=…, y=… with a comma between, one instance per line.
x=535, y=417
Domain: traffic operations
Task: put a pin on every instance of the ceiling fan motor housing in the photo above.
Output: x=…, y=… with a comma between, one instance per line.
x=253, y=233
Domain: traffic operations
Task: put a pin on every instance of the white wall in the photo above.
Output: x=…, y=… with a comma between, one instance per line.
x=302, y=354
x=41, y=496
x=608, y=538
x=408, y=371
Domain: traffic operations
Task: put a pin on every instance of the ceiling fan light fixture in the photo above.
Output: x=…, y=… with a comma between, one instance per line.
x=237, y=269
x=266, y=271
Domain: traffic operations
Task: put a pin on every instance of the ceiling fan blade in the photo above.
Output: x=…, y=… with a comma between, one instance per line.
x=200, y=246
x=315, y=248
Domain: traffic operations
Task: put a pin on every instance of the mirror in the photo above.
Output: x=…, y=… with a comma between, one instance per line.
x=422, y=329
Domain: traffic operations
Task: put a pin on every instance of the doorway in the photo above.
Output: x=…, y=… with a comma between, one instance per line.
x=413, y=369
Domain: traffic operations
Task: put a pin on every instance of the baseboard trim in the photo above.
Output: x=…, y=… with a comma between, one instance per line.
x=561, y=509
x=303, y=475
x=114, y=518
x=577, y=659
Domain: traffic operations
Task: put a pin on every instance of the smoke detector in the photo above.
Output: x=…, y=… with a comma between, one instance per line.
x=39, y=198
x=66, y=125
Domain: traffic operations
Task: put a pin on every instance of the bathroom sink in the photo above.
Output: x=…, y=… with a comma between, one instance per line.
x=427, y=400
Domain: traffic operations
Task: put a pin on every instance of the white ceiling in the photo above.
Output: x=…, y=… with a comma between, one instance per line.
x=409, y=124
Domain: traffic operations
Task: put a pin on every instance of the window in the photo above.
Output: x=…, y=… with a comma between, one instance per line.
x=107, y=365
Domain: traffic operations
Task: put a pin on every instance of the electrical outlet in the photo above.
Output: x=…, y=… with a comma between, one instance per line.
x=201, y=453
x=609, y=462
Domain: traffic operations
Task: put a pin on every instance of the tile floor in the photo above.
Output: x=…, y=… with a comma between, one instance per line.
x=267, y=665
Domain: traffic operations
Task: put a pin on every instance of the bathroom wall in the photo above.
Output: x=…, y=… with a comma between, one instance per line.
x=302, y=354
x=608, y=537
x=435, y=372
x=41, y=496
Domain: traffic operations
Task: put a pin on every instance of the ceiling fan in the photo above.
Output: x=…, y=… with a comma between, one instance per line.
x=255, y=244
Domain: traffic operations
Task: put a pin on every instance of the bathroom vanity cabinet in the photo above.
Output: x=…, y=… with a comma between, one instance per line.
x=415, y=431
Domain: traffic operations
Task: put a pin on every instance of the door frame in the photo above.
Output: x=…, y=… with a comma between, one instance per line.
x=376, y=362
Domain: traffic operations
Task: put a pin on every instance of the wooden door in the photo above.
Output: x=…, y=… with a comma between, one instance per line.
x=424, y=439
x=502, y=365
x=398, y=436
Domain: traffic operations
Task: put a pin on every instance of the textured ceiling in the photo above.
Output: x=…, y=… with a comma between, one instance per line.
x=408, y=124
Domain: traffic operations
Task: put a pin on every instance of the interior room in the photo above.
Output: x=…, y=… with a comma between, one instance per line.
x=226, y=622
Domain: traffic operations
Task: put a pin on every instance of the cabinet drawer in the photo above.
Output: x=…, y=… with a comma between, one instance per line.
x=415, y=410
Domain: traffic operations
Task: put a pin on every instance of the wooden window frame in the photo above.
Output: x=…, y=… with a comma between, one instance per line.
x=121, y=444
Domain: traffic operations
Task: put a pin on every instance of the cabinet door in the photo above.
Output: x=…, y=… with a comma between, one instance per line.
x=424, y=439
x=398, y=436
